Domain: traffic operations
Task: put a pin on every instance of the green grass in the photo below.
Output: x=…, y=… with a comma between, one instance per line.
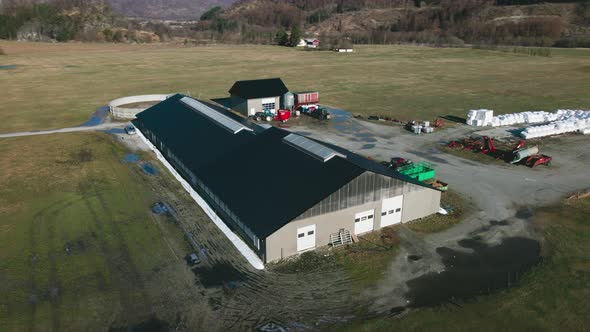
x=79, y=248
x=59, y=85
x=551, y=297
x=366, y=261
x=437, y=222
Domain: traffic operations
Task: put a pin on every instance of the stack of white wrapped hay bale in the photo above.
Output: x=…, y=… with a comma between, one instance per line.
x=560, y=122
x=567, y=121
x=480, y=118
x=523, y=117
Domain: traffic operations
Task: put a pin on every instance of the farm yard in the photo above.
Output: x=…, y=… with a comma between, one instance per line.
x=404, y=82
x=82, y=249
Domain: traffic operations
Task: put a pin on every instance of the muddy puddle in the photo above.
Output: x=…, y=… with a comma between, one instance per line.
x=149, y=168
x=219, y=275
x=97, y=117
x=131, y=158
x=482, y=270
x=7, y=67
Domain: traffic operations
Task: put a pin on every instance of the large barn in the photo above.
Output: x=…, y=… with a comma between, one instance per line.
x=281, y=192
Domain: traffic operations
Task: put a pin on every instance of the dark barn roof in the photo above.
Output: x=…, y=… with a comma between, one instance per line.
x=263, y=88
x=265, y=181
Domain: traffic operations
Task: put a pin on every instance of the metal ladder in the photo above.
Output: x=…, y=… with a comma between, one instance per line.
x=343, y=237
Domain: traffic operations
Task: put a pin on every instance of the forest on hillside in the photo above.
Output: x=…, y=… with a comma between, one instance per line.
x=448, y=22
x=436, y=22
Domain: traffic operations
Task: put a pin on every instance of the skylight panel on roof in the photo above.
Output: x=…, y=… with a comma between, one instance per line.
x=224, y=121
x=312, y=148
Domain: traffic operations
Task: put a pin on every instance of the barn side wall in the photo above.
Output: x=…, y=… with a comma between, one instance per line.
x=338, y=211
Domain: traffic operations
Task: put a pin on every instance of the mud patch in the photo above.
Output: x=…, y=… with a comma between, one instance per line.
x=499, y=223
x=414, y=258
x=524, y=213
x=151, y=325
x=467, y=275
x=219, y=275
x=149, y=168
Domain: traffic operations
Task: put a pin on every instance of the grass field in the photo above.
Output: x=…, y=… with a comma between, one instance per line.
x=551, y=297
x=79, y=248
x=57, y=85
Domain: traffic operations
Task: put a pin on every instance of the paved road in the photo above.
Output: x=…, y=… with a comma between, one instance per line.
x=103, y=126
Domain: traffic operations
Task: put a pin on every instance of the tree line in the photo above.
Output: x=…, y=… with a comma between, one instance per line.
x=421, y=21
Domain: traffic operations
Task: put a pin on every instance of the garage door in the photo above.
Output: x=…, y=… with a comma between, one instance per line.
x=391, y=211
x=305, y=238
x=363, y=221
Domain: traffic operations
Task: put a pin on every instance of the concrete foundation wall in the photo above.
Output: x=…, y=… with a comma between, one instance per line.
x=130, y=113
x=283, y=243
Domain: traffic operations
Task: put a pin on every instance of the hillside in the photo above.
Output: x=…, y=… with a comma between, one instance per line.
x=550, y=23
x=166, y=9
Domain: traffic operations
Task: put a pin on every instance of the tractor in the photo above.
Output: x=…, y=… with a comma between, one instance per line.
x=315, y=111
x=265, y=115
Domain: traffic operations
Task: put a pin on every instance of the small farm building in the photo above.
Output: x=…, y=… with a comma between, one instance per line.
x=249, y=97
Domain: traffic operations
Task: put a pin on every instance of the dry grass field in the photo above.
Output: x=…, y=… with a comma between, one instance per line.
x=79, y=248
x=56, y=85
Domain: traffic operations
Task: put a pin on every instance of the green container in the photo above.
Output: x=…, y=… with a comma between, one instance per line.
x=419, y=171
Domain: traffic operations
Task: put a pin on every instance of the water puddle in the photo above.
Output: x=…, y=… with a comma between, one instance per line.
x=149, y=168
x=97, y=117
x=469, y=274
x=219, y=275
x=115, y=131
x=131, y=158
x=152, y=324
x=7, y=67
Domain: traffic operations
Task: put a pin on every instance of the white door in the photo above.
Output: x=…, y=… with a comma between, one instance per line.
x=305, y=238
x=363, y=221
x=391, y=211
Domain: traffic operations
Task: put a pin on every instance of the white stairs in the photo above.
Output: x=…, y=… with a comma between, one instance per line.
x=341, y=238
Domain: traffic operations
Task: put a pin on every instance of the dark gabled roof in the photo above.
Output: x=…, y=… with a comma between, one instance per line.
x=264, y=180
x=263, y=88
x=269, y=183
x=189, y=134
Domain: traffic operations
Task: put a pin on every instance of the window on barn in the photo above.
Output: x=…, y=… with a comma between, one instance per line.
x=268, y=107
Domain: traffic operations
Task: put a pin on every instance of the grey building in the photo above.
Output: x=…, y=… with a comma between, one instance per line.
x=251, y=96
x=290, y=193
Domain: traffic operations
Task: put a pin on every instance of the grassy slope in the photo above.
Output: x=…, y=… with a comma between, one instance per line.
x=72, y=191
x=553, y=296
x=61, y=84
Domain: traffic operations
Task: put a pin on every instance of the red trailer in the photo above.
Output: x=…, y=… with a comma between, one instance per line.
x=304, y=98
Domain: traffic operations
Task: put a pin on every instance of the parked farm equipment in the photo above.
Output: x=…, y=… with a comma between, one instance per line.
x=315, y=111
x=267, y=115
x=518, y=154
x=538, y=159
